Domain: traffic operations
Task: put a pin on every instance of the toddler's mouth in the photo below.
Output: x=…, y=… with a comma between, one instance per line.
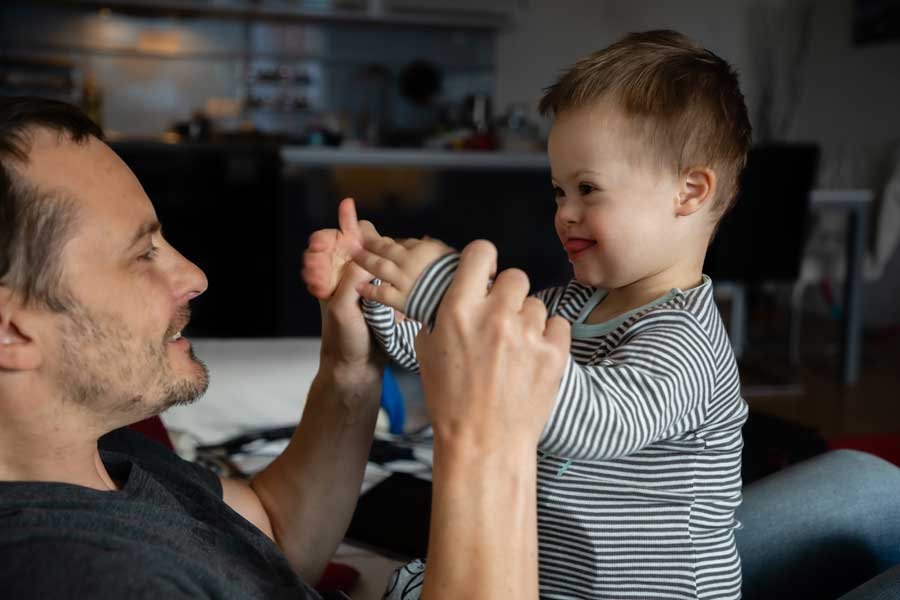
x=575, y=247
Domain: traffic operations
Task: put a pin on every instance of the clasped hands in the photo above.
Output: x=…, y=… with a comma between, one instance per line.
x=492, y=352
x=398, y=264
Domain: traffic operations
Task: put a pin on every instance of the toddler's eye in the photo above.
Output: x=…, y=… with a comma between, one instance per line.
x=585, y=188
x=557, y=192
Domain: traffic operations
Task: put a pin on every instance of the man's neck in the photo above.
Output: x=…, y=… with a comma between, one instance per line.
x=49, y=445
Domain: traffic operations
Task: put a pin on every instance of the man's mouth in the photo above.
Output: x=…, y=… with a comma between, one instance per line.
x=577, y=246
x=182, y=317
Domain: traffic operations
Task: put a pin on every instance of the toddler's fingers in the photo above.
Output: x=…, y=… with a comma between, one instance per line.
x=382, y=268
x=385, y=294
x=353, y=275
x=367, y=230
x=386, y=247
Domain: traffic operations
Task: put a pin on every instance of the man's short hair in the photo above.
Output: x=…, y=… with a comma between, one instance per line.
x=35, y=224
x=684, y=101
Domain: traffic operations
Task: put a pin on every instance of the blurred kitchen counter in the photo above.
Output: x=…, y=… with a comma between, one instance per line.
x=412, y=157
x=323, y=156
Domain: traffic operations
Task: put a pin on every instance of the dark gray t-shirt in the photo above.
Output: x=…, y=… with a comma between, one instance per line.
x=165, y=534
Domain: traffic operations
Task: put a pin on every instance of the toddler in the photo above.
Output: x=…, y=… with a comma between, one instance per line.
x=639, y=470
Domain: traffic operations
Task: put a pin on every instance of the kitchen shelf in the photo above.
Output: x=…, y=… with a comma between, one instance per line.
x=481, y=15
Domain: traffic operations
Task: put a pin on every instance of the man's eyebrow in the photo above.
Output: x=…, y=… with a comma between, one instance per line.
x=145, y=230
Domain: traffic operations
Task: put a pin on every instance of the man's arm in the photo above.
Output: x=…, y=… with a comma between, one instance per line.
x=305, y=498
x=310, y=491
x=490, y=370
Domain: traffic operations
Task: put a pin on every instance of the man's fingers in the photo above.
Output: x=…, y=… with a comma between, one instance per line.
x=316, y=274
x=558, y=332
x=478, y=263
x=347, y=219
x=322, y=240
x=382, y=268
x=535, y=313
x=510, y=288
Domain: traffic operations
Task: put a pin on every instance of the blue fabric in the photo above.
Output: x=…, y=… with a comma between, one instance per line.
x=884, y=587
x=820, y=528
x=392, y=402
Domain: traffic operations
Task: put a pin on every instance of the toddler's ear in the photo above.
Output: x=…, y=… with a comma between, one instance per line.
x=698, y=186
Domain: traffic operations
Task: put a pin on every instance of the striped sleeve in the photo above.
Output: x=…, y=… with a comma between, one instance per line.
x=656, y=383
x=551, y=298
x=398, y=339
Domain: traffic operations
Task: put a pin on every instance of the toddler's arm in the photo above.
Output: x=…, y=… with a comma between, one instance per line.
x=654, y=384
x=398, y=338
x=399, y=267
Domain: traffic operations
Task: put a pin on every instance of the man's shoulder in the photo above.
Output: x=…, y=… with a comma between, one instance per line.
x=55, y=567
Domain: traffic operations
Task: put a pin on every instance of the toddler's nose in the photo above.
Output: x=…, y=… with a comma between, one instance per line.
x=568, y=213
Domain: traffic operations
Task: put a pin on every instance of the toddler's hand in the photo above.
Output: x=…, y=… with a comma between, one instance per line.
x=330, y=250
x=397, y=264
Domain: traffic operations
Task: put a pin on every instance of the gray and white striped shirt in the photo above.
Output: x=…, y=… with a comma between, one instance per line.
x=639, y=467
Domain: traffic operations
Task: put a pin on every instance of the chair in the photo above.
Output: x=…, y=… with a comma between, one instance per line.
x=820, y=528
x=762, y=238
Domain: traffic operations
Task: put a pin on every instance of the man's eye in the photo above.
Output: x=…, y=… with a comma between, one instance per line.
x=150, y=254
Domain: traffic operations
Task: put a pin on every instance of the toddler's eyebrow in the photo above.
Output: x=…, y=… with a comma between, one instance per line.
x=578, y=173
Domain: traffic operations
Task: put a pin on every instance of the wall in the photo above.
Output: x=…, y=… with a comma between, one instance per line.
x=155, y=70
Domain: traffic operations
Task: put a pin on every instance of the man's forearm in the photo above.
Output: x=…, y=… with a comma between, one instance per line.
x=483, y=537
x=310, y=491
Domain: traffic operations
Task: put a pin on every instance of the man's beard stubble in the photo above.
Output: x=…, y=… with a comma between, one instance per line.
x=105, y=368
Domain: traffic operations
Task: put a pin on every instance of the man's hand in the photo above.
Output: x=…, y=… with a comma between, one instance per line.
x=307, y=495
x=493, y=363
x=330, y=250
x=332, y=277
x=490, y=370
x=398, y=264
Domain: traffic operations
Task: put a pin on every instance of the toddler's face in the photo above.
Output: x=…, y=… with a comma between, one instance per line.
x=615, y=208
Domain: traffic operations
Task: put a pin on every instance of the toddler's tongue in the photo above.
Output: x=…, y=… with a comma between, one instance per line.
x=577, y=245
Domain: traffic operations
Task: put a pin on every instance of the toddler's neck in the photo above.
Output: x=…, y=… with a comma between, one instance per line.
x=619, y=301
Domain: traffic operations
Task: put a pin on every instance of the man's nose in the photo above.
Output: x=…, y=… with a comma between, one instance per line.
x=189, y=280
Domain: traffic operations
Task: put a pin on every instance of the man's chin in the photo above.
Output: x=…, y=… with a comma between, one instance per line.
x=190, y=387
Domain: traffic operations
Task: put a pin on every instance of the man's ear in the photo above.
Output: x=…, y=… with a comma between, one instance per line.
x=698, y=186
x=18, y=351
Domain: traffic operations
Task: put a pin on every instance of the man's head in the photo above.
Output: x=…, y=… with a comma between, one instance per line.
x=660, y=128
x=91, y=295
